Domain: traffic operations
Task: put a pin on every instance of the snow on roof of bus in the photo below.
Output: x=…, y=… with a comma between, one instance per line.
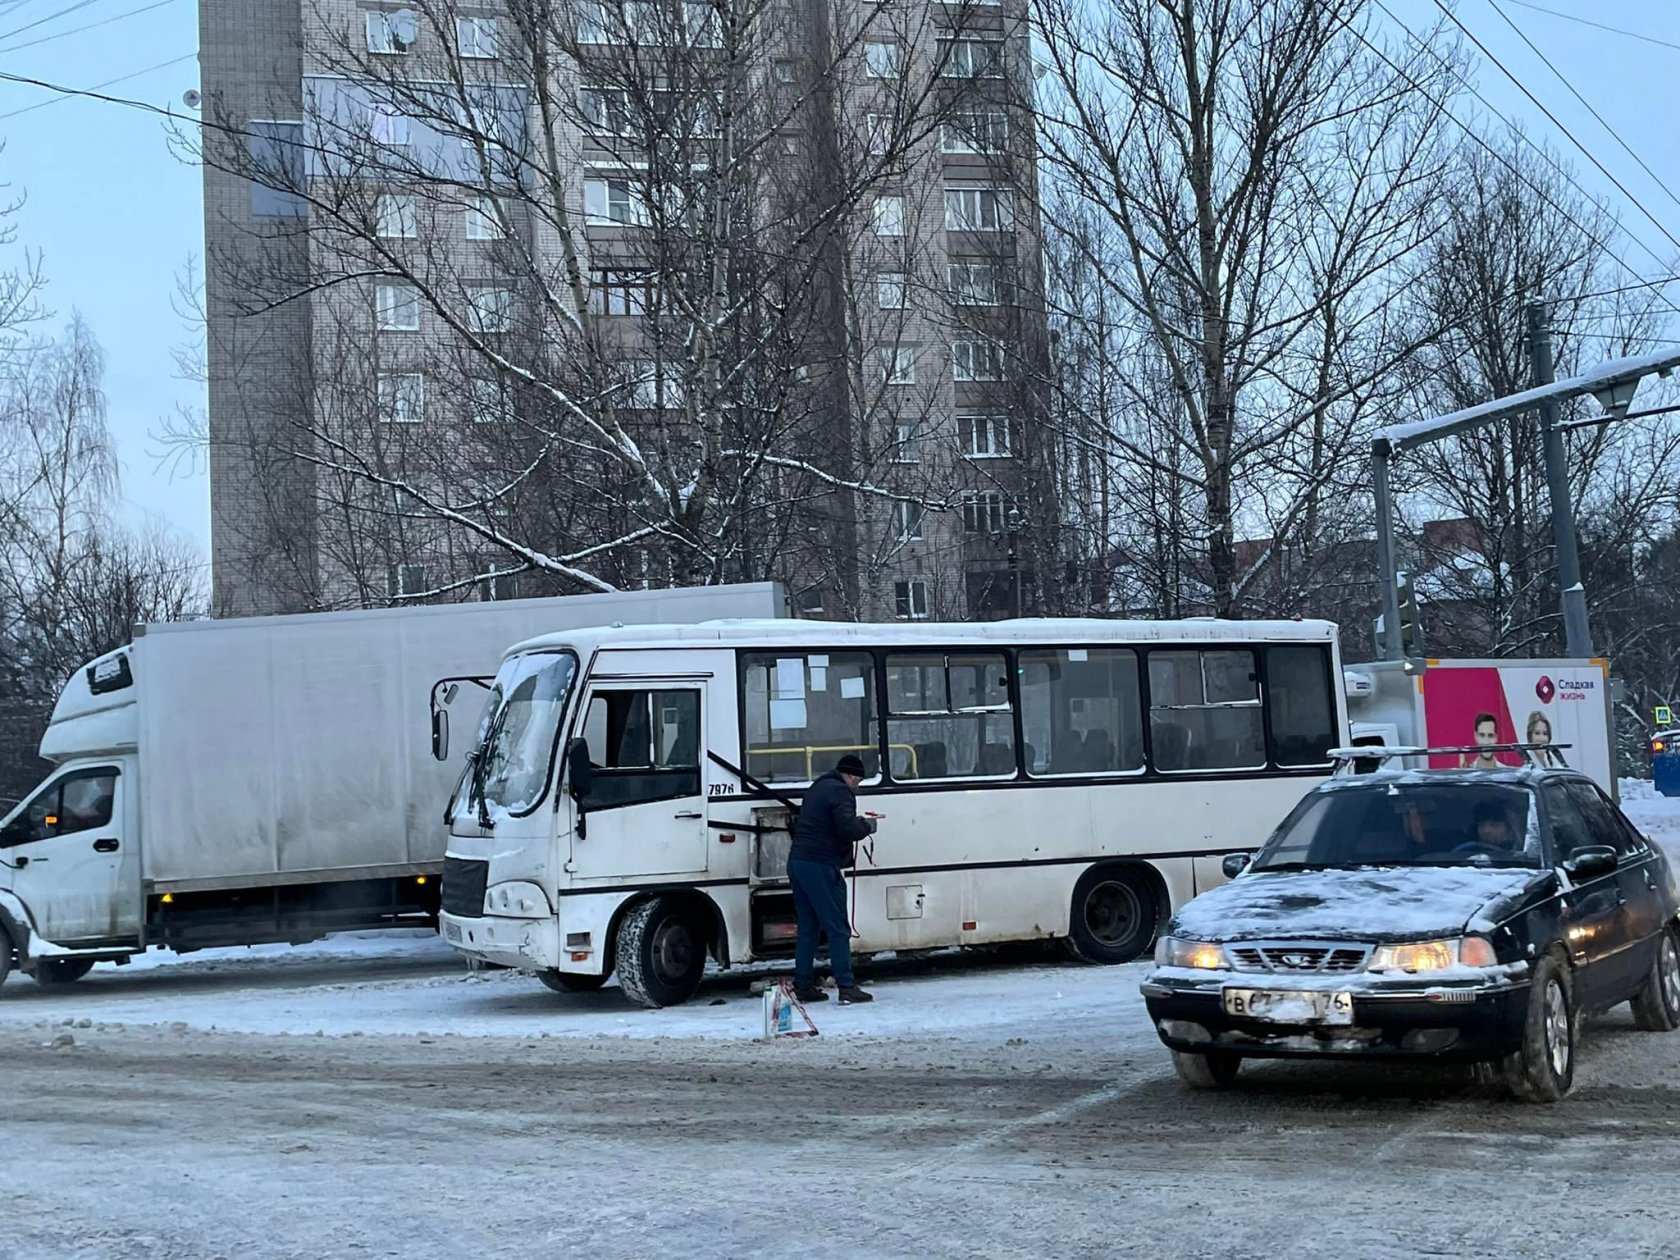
x=1076, y=630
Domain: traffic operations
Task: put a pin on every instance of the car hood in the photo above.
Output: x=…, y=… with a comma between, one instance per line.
x=1377, y=904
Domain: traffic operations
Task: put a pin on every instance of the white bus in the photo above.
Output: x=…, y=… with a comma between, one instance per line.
x=627, y=806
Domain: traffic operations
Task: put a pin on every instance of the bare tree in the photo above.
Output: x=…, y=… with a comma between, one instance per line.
x=601, y=327
x=1243, y=183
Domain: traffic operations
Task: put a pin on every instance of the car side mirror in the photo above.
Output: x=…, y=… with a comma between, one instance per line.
x=440, y=734
x=580, y=771
x=1235, y=864
x=1591, y=860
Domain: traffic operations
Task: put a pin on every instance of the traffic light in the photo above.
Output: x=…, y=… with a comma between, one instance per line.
x=1411, y=626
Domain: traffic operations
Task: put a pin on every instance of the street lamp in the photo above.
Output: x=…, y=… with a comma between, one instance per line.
x=1012, y=526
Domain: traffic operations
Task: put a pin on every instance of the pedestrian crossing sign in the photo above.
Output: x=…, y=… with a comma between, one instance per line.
x=1665, y=716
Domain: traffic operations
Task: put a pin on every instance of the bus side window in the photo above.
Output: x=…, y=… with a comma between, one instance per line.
x=645, y=746
x=1081, y=711
x=1300, y=704
x=948, y=716
x=1204, y=709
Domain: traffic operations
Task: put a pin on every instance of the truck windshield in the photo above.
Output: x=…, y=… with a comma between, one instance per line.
x=517, y=738
x=1407, y=824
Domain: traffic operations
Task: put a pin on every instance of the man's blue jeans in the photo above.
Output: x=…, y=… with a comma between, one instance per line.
x=819, y=899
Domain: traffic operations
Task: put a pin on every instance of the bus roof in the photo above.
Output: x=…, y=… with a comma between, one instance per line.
x=1044, y=630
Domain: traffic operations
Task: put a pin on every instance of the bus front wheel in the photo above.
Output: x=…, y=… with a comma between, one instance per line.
x=1114, y=915
x=661, y=953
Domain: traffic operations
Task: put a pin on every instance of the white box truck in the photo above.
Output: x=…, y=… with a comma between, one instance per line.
x=268, y=779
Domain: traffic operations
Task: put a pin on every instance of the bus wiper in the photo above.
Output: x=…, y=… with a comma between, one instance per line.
x=475, y=790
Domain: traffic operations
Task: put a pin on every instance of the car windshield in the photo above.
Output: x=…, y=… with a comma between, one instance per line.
x=1407, y=824
x=520, y=727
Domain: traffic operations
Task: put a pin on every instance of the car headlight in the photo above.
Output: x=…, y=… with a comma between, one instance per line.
x=1171, y=951
x=1459, y=951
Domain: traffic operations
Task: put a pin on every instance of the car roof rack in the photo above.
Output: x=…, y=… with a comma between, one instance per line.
x=1347, y=759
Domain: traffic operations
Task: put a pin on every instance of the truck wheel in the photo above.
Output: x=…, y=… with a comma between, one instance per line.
x=661, y=953
x=1113, y=916
x=1656, y=1007
x=1213, y=1070
x=567, y=982
x=52, y=973
x=1542, y=1069
x=7, y=953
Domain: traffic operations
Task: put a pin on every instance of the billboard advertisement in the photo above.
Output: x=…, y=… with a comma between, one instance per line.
x=1522, y=702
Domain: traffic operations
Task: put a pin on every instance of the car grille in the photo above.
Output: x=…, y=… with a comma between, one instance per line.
x=464, y=881
x=1287, y=957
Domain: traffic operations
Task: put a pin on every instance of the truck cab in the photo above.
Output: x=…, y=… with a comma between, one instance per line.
x=69, y=857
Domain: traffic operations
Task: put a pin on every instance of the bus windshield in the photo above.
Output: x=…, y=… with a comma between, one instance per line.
x=521, y=725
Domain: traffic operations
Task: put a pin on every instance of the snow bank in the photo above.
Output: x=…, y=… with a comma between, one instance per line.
x=1657, y=816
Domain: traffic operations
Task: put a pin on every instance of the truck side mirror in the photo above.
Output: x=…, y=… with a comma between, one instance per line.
x=580, y=771
x=440, y=734
x=1234, y=864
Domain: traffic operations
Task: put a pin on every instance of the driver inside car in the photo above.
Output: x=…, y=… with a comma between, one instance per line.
x=1493, y=829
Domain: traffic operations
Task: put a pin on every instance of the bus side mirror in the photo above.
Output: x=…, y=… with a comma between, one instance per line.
x=1234, y=864
x=440, y=734
x=580, y=771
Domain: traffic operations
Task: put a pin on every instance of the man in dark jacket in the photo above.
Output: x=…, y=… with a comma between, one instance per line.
x=823, y=844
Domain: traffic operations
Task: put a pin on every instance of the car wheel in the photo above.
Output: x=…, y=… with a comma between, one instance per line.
x=1113, y=917
x=1656, y=1007
x=53, y=973
x=1215, y=1069
x=661, y=953
x=1542, y=1069
x=567, y=982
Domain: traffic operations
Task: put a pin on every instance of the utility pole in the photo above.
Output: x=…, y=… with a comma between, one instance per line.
x=1577, y=634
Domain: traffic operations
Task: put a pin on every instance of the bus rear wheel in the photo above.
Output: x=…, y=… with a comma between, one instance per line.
x=661, y=953
x=1114, y=915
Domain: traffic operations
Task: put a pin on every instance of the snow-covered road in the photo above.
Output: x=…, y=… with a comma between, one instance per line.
x=366, y=1096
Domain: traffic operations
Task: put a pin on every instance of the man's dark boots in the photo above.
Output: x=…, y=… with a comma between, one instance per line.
x=855, y=995
x=810, y=993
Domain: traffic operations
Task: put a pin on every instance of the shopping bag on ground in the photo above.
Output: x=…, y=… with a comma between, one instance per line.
x=784, y=1014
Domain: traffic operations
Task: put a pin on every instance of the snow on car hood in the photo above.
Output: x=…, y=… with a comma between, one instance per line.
x=1410, y=903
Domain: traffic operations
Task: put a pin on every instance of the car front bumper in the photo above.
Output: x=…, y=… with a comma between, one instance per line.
x=1447, y=1022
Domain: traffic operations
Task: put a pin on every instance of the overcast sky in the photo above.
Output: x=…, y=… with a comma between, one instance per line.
x=117, y=216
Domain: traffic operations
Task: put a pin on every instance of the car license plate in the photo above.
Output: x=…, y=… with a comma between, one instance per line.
x=1290, y=1006
x=452, y=932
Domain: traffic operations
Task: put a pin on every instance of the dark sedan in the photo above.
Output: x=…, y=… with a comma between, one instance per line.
x=1468, y=916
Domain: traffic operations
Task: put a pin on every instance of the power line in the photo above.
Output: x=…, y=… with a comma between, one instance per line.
x=122, y=78
x=91, y=26
x=1657, y=179
x=1614, y=30
x=1499, y=157
x=1570, y=135
x=51, y=17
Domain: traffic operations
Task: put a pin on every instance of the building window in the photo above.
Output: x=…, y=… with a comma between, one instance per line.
x=606, y=110
x=654, y=386
x=974, y=283
x=975, y=131
x=402, y=397
x=482, y=120
x=488, y=402
x=879, y=129
x=787, y=71
x=395, y=215
x=398, y=307
x=498, y=586
x=889, y=290
x=976, y=361
x=389, y=33
x=986, y=511
x=889, y=215
x=984, y=437
x=907, y=521
x=484, y=219
x=881, y=60
x=907, y=443
x=476, y=36
x=977, y=208
x=614, y=292
x=278, y=170
x=910, y=599
x=388, y=127
x=971, y=58
x=593, y=23
x=810, y=603
x=613, y=203
x=404, y=579
x=490, y=310
x=898, y=365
